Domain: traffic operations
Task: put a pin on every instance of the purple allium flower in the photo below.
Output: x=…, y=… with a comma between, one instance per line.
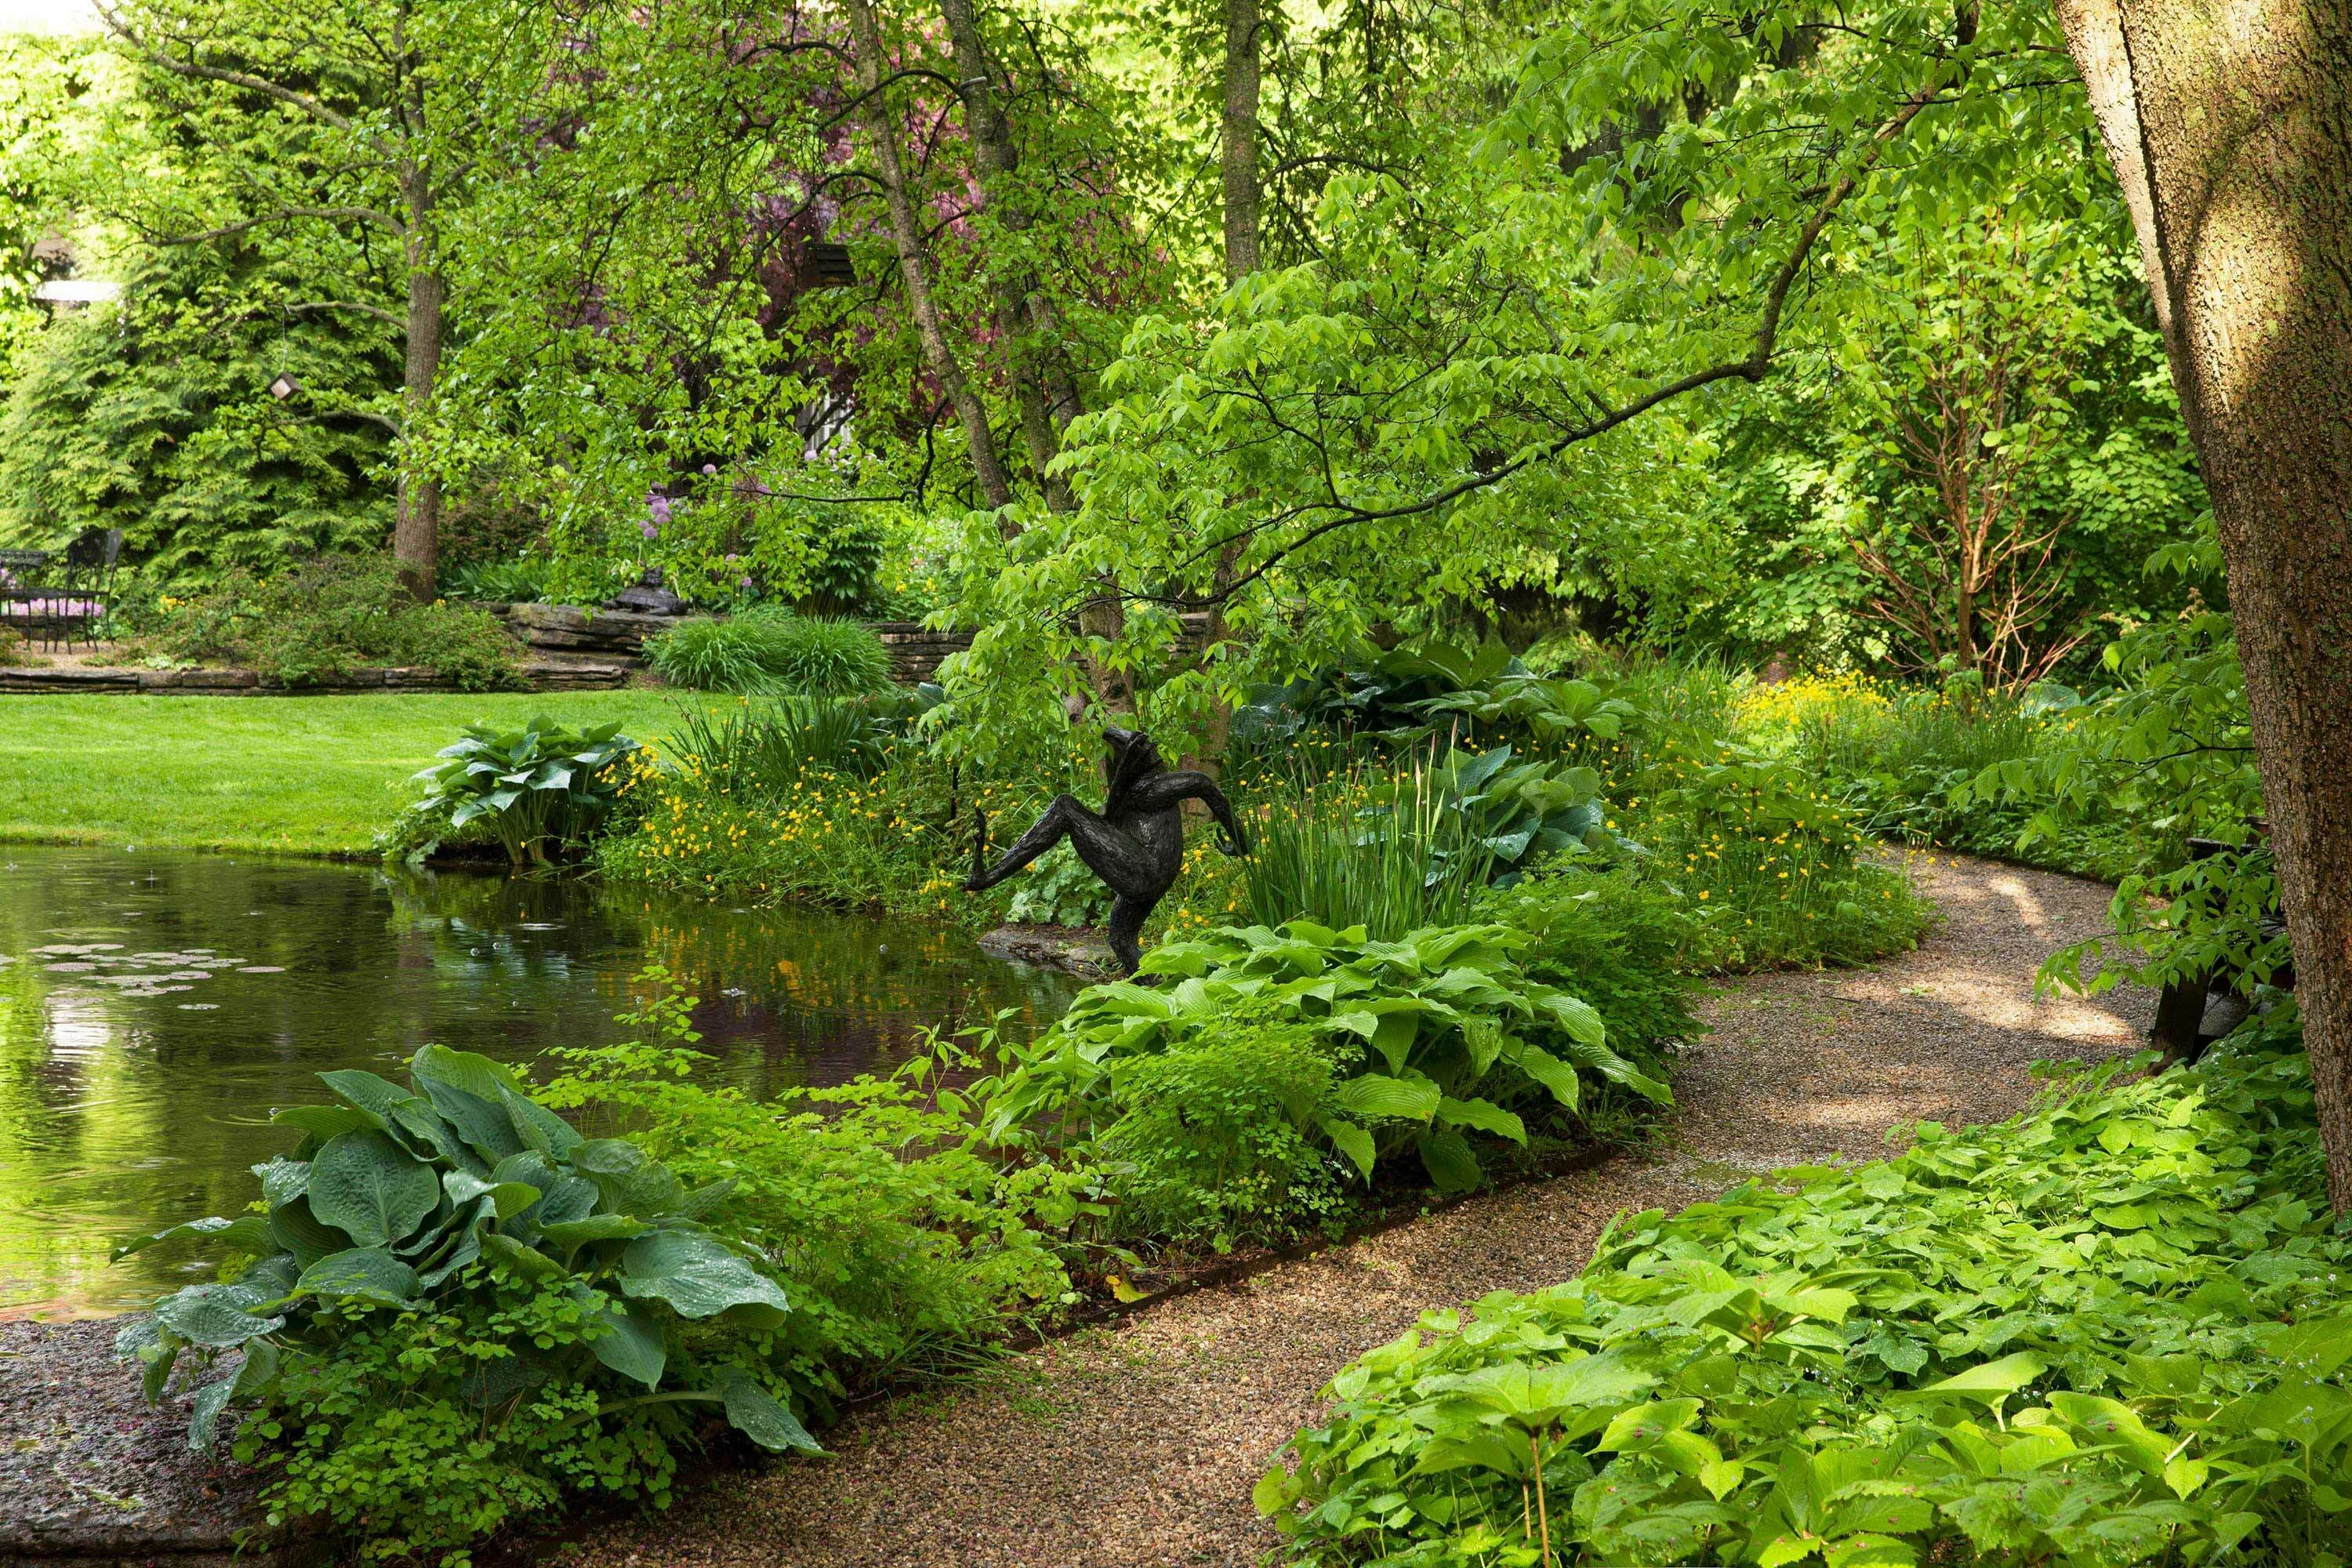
x=744, y=583
x=710, y=468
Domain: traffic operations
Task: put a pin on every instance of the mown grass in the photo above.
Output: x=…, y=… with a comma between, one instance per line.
x=290, y=776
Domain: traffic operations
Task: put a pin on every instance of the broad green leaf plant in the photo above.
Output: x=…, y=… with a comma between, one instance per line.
x=541, y=1283
x=2109, y=1332
x=1439, y=1037
x=540, y=783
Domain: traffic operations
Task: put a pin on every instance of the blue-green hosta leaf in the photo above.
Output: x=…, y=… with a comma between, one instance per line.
x=258, y=1375
x=325, y=1121
x=371, y=1188
x=693, y=1274
x=756, y=1414
x=294, y=1227
x=507, y=1198
x=707, y=1197
x=428, y=1128
x=631, y=1181
x=218, y=1315
x=634, y=1347
x=569, y=1234
x=368, y=1273
x=204, y=1413
x=246, y=1233
x=1446, y=1155
x=366, y=1090
x=1351, y=1140
x=1484, y=1115
x=540, y=1128
x=483, y=1124
x=283, y=1180
x=471, y=1071
x=525, y=1262
x=1373, y=1094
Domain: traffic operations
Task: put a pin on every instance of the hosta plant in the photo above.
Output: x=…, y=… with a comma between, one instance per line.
x=1435, y=1038
x=1510, y=814
x=451, y=1307
x=541, y=781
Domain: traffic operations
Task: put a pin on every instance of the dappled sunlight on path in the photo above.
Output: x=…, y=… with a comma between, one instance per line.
x=1139, y=1446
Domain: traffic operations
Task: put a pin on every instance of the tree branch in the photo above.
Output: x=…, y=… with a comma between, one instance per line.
x=1751, y=368
x=189, y=68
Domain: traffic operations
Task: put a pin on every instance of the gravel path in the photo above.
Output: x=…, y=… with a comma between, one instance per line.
x=1138, y=1446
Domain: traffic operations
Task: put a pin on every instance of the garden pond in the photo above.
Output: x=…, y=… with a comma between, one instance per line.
x=155, y=1006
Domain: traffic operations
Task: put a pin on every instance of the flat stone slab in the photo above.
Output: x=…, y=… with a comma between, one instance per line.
x=1077, y=950
x=90, y=1477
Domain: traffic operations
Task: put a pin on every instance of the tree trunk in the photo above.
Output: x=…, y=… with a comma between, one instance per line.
x=417, y=525
x=1243, y=24
x=914, y=266
x=2229, y=126
x=999, y=158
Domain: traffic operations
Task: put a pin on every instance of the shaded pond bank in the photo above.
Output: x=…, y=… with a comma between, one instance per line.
x=155, y=1005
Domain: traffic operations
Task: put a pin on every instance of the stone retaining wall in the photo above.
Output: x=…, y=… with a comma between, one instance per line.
x=544, y=675
x=915, y=650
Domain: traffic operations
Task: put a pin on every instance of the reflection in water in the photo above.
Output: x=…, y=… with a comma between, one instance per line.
x=154, y=1007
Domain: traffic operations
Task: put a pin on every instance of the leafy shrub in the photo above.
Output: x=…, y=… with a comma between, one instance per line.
x=541, y=781
x=332, y=615
x=12, y=649
x=1059, y=891
x=901, y=1245
x=1432, y=1038
x=1510, y=814
x=1627, y=945
x=2111, y=1330
x=1218, y=1137
x=1483, y=695
x=456, y=1308
x=770, y=650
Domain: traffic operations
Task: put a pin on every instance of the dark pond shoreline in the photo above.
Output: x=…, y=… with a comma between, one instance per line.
x=155, y=1007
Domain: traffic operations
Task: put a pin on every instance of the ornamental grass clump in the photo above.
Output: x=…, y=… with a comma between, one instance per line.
x=770, y=650
x=455, y=1309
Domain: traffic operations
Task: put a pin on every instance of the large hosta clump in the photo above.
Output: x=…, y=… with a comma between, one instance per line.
x=459, y=1239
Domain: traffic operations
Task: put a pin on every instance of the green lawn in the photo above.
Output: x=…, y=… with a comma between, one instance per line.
x=295, y=776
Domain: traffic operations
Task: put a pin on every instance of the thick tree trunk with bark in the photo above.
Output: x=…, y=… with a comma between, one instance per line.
x=1239, y=144
x=2230, y=125
x=416, y=524
x=914, y=262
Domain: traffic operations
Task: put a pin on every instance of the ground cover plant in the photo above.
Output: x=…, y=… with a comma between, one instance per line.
x=2110, y=1331
x=456, y=1310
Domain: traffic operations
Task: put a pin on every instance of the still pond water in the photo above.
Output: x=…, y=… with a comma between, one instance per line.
x=154, y=1007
